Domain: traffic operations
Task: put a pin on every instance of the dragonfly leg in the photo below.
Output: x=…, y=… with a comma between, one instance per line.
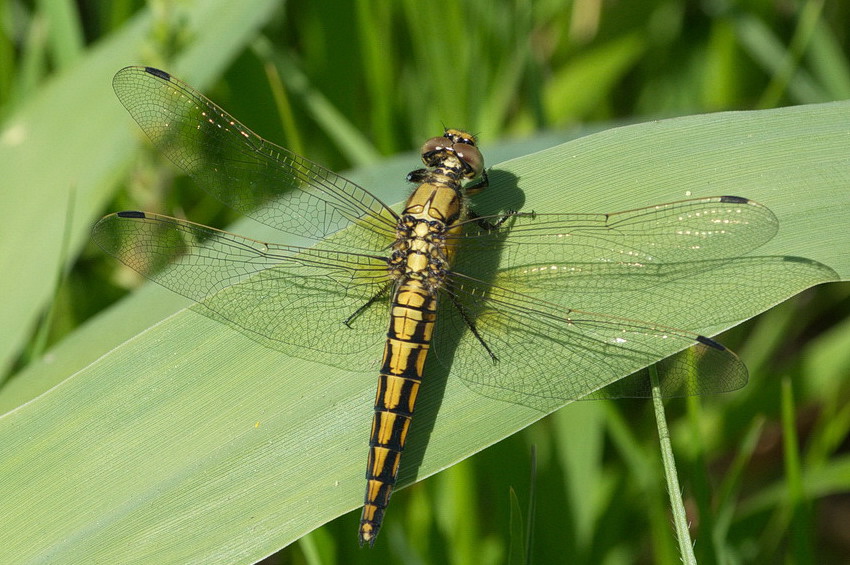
x=471, y=325
x=377, y=296
x=477, y=186
x=490, y=226
x=418, y=176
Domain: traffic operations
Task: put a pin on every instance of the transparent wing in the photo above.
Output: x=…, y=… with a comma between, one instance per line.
x=289, y=298
x=256, y=177
x=540, y=355
x=583, y=260
x=703, y=229
x=521, y=285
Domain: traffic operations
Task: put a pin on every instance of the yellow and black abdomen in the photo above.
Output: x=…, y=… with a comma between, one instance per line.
x=419, y=263
x=408, y=340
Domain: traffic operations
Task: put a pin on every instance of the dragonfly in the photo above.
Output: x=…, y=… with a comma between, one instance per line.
x=485, y=295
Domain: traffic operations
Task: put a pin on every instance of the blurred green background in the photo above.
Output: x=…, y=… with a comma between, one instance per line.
x=348, y=84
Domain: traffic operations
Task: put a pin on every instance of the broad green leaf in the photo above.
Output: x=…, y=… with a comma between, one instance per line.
x=190, y=442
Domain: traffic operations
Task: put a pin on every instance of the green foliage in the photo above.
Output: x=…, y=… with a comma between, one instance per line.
x=189, y=441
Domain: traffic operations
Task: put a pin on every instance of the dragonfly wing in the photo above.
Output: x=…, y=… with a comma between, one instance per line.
x=289, y=298
x=542, y=355
x=641, y=264
x=542, y=351
x=256, y=177
x=688, y=231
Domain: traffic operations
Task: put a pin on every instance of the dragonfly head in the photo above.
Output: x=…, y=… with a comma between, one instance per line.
x=457, y=145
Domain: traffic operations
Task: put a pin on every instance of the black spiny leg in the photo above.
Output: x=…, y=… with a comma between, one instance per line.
x=477, y=186
x=377, y=296
x=470, y=324
x=418, y=176
x=490, y=226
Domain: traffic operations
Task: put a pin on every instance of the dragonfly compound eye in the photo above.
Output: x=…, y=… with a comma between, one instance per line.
x=471, y=158
x=432, y=146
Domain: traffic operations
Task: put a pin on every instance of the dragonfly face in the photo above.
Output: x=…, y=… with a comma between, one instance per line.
x=488, y=296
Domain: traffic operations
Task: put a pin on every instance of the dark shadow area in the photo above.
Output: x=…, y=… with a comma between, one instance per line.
x=502, y=195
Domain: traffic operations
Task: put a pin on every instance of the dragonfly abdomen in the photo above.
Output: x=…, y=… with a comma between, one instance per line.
x=419, y=263
x=414, y=310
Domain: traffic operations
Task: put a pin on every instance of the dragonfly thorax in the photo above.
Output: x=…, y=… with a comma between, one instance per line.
x=435, y=209
x=419, y=252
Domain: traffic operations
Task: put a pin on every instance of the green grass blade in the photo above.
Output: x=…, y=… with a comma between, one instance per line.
x=66, y=32
x=674, y=491
x=798, y=505
x=518, y=551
